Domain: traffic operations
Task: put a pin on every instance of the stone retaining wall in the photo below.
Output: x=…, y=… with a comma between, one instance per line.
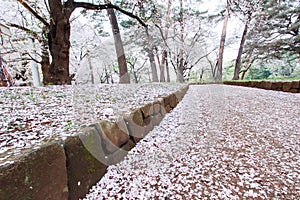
x=68, y=169
x=285, y=86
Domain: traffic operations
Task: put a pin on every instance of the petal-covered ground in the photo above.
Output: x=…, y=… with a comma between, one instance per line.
x=220, y=142
x=33, y=116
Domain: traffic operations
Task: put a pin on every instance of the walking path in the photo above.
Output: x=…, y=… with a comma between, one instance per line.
x=220, y=142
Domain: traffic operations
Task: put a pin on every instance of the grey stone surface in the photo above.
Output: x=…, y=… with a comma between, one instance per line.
x=114, y=134
x=40, y=174
x=85, y=161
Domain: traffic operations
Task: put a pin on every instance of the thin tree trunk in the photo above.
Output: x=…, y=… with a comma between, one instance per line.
x=180, y=66
x=136, y=78
x=164, y=48
x=245, y=70
x=151, y=57
x=167, y=67
x=222, y=44
x=123, y=71
x=91, y=67
x=162, y=67
x=107, y=76
x=238, y=62
x=45, y=64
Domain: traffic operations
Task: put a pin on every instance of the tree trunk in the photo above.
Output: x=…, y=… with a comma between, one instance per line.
x=91, y=67
x=222, y=44
x=59, y=35
x=167, y=68
x=123, y=71
x=245, y=70
x=162, y=67
x=151, y=57
x=238, y=62
x=164, y=49
x=180, y=66
x=136, y=78
x=59, y=43
x=45, y=64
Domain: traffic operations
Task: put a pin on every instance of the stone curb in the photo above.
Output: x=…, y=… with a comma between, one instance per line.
x=68, y=169
x=285, y=86
x=39, y=174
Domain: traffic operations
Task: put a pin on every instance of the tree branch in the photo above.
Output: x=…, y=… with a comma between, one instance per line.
x=91, y=6
x=34, y=34
x=34, y=13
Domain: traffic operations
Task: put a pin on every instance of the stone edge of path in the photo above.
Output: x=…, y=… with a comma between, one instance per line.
x=67, y=169
x=285, y=86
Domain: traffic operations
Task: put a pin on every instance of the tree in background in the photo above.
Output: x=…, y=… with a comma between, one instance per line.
x=222, y=43
x=123, y=71
x=170, y=32
x=274, y=32
x=187, y=38
x=164, y=34
x=247, y=9
x=28, y=42
x=137, y=69
x=270, y=33
x=59, y=32
x=59, y=35
x=181, y=25
x=147, y=13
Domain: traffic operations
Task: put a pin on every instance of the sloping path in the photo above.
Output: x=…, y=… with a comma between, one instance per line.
x=220, y=142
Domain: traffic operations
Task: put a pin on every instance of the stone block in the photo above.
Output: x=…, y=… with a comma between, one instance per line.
x=148, y=125
x=294, y=90
x=166, y=100
x=276, y=85
x=179, y=95
x=252, y=84
x=168, y=108
x=86, y=161
x=295, y=85
x=119, y=155
x=173, y=100
x=266, y=85
x=256, y=84
x=239, y=83
x=135, y=123
x=156, y=107
x=259, y=84
x=163, y=111
x=247, y=83
x=147, y=110
x=40, y=174
x=156, y=119
x=114, y=134
x=286, y=86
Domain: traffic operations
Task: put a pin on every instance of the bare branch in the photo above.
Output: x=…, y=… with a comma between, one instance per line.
x=34, y=13
x=107, y=6
x=34, y=34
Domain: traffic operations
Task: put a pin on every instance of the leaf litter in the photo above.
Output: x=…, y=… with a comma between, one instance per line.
x=31, y=117
x=220, y=142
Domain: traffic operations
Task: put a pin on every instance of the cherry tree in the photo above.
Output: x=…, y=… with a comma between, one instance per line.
x=56, y=24
x=28, y=42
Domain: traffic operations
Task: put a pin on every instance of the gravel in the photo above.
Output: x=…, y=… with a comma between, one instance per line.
x=220, y=142
x=31, y=117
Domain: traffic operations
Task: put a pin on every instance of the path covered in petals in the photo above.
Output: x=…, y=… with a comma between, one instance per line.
x=220, y=142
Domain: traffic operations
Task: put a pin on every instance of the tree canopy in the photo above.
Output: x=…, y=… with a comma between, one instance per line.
x=163, y=39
